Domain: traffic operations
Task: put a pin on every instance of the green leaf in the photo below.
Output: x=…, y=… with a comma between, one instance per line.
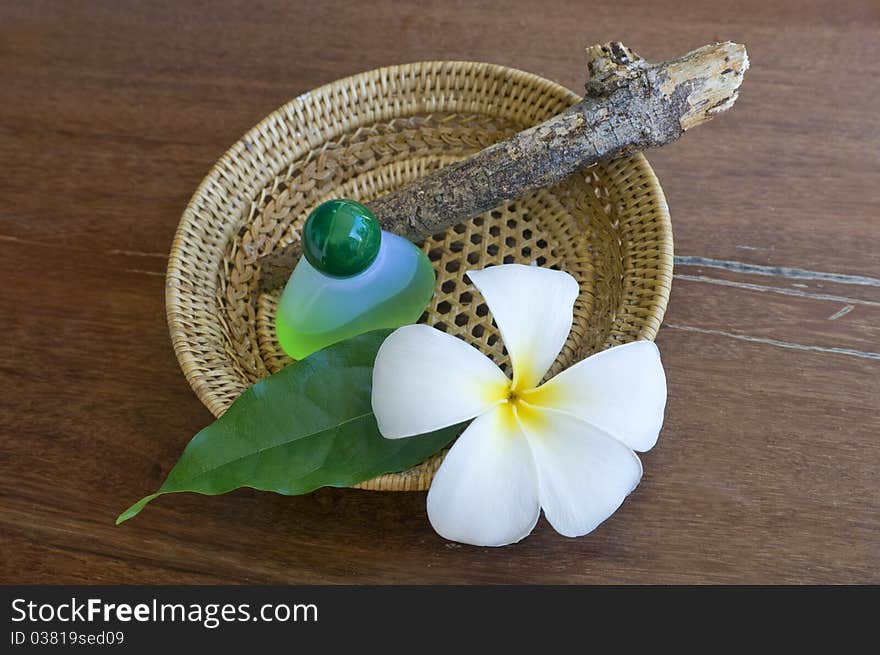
x=310, y=425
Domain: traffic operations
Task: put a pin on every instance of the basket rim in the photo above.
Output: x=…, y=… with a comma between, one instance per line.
x=249, y=146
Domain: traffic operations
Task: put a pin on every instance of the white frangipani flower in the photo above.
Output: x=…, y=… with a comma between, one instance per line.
x=565, y=446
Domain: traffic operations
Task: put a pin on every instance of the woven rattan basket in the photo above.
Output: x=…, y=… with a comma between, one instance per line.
x=363, y=136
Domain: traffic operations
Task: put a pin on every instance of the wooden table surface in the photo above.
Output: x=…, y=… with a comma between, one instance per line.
x=767, y=468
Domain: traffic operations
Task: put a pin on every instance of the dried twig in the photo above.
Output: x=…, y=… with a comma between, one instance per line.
x=630, y=105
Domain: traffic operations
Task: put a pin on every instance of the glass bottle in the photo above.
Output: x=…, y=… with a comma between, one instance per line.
x=353, y=278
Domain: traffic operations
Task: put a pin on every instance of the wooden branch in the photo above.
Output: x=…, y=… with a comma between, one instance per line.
x=630, y=105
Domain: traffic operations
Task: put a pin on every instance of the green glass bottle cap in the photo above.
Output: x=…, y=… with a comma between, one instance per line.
x=341, y=238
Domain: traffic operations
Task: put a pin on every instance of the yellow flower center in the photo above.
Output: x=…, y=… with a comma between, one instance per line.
x=520, y=405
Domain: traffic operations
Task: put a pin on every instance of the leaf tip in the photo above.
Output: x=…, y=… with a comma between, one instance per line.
x=134, y=510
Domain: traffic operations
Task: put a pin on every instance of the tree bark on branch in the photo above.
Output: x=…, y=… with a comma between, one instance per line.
x=630, y=105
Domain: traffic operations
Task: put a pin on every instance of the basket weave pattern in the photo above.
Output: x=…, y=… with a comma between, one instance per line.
x=364, y=136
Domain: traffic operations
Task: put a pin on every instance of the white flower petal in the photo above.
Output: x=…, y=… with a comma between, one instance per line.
x=532, y=307
x=583, y=474
x=485, y=492
x=424, y=380
x=621, y=390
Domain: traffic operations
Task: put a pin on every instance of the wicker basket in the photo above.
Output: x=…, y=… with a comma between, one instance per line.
x=365, y=135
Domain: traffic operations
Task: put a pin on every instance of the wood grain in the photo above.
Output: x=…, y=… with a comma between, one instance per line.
x=111, y=114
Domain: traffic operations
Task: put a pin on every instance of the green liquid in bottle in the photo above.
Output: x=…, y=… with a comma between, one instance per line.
x=353, y=278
